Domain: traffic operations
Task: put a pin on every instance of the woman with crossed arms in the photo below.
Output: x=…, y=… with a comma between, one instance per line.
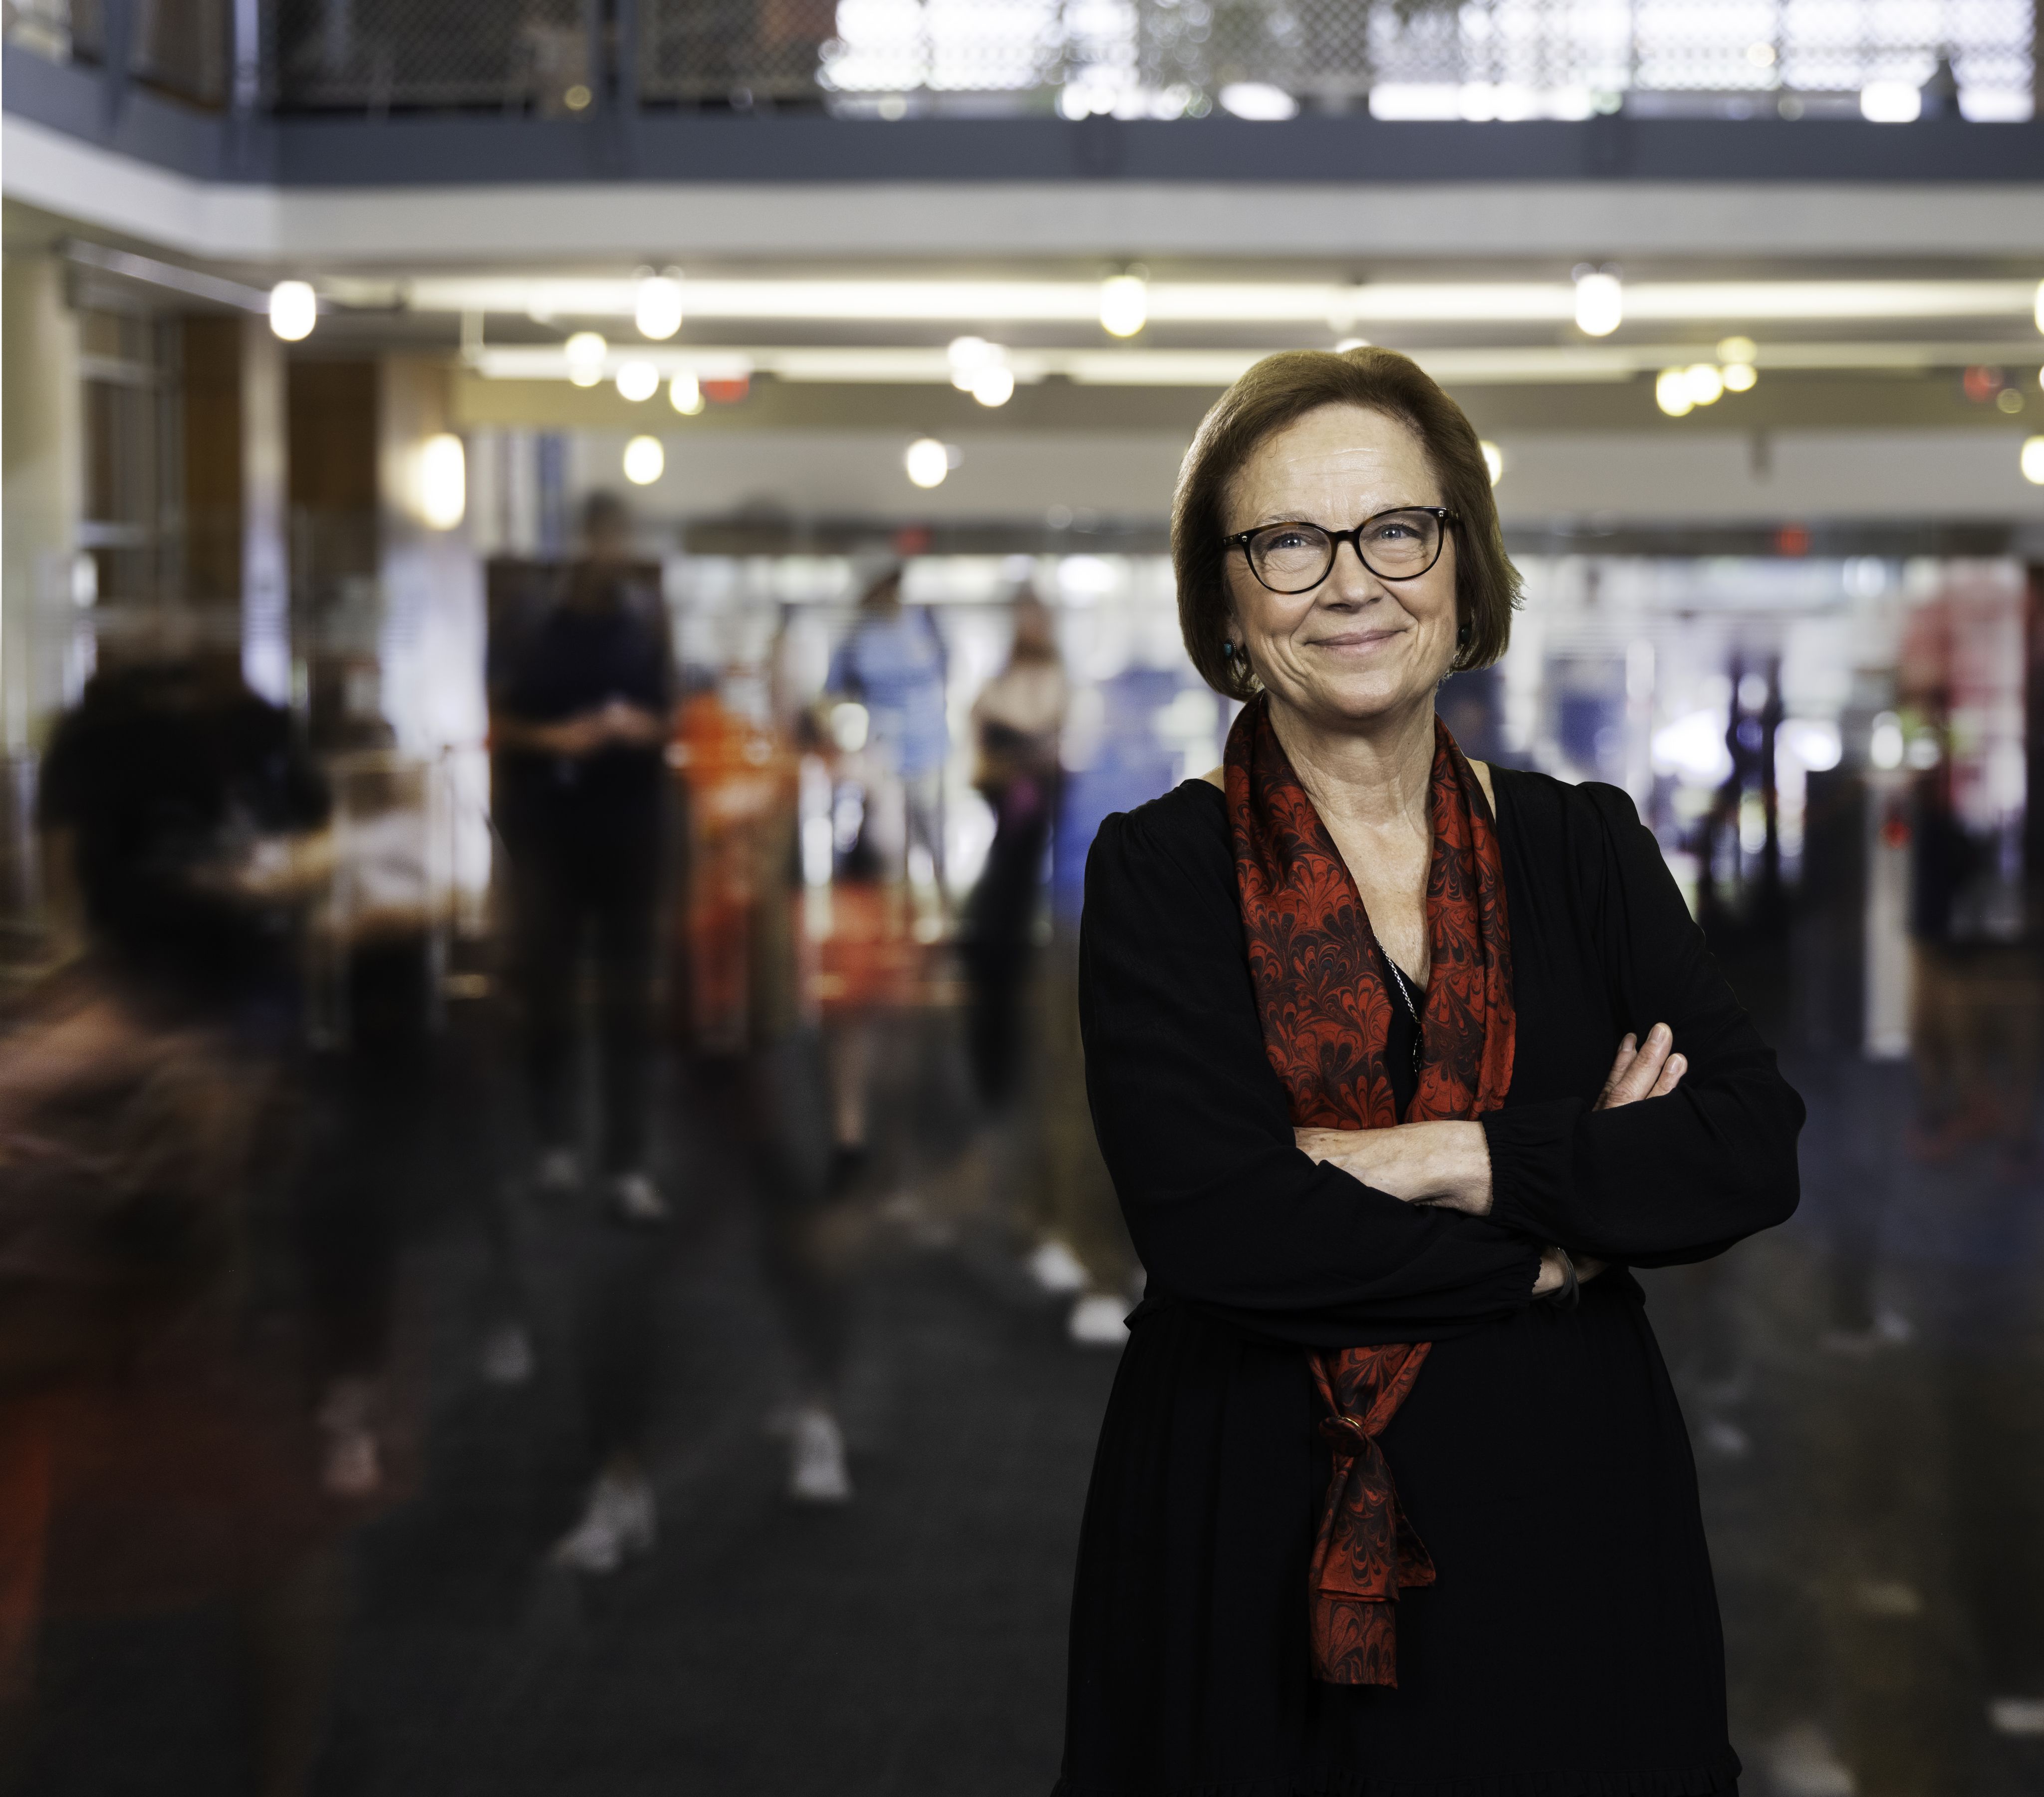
x=1400, y=1063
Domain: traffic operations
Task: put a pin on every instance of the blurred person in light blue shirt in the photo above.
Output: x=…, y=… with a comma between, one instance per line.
x=893, y=663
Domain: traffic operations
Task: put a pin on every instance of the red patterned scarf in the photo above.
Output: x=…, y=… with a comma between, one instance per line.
x=1326, y=1008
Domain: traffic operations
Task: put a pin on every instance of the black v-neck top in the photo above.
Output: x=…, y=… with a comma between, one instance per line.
x=1401, y=1040
x=1570, y=1647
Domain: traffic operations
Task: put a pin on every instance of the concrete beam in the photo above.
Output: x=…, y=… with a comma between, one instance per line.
x=1868, y=199
x=1604, y=482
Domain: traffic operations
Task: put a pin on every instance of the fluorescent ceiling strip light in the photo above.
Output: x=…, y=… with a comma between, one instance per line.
x=1078, y=302
x=1557, y=365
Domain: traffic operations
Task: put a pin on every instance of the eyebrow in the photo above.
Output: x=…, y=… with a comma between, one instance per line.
x=1293, y=518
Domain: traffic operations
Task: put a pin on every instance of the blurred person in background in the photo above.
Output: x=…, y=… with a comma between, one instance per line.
x=1017, y=719
x=1974, y=1016
x=1398, y=1062
x=892, y=665
x=157, y=1453
x=580, y=716
x=813, y=1239
x=1064, y=1204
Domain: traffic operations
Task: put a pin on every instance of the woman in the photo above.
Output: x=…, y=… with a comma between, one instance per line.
x=1394, y=1494
x=1016, y=717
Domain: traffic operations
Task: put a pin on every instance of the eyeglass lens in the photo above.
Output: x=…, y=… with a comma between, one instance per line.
x=1292, y=558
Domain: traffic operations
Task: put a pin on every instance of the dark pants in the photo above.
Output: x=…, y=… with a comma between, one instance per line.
x=999, y=947
x=370, y=1105
x=788, y=1108
x=605, y=895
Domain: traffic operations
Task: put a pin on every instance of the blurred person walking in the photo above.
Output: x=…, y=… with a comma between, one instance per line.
x=580, y=717
x=1017, y=718
x=1025, y=1054
x=157, y=1453
x=893, y=665
x=1398, y=1061
x=762, y=1062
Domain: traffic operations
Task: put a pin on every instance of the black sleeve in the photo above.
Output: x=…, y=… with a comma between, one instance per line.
x=1195, y=1126
x=1667, y=1180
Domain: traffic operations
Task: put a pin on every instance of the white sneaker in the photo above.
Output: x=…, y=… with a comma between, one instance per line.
x=637, y=1199
x=559, y=1174
x=1099, y=1320
x=817, y=1472
x=1801, y=1762
x=1057, y=1268
x=507, y=1357
x=619, y=1520
x=351, y=1458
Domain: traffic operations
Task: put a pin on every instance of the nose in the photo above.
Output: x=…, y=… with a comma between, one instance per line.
x=1349, y=580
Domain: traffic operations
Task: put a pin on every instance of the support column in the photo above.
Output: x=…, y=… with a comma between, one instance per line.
x=44, y=437
x=434, y=636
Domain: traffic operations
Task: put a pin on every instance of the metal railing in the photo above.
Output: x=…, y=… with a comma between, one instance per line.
x=177, y=47
x=1132, y=58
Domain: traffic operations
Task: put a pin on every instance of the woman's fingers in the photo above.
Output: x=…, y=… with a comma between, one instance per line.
x=1627, y=1047
x=1672, y=1070
x=1636, y=1078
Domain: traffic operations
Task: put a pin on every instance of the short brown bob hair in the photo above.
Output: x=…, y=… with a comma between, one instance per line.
x=1281, y=389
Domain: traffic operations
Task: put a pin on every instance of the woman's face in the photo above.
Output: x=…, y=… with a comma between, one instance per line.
x=1356, y=648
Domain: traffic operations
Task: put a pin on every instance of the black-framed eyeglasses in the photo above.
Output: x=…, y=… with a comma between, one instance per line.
x=1400, y=544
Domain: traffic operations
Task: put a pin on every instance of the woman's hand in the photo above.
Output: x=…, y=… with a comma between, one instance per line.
x=1448, y=1164
x=1445, y=1163
x=1647, y=1070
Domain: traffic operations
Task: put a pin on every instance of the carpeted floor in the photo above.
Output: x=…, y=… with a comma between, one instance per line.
x=1875, y=1496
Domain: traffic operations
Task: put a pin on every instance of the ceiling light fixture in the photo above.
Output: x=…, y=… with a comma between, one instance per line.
x=926, y=462
x=585, y=351
x=293, y=310
x=443, y=480
x=1124, y=304
x=656, y=306
x=644, y=461
x=1600, y=303
x=1309, y=303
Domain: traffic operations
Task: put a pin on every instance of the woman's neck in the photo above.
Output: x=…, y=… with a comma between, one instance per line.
x=1372, y=776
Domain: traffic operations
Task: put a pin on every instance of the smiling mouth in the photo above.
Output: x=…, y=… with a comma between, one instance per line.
x=1359, y=640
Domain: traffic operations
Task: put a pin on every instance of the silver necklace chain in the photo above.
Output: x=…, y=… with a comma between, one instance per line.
x=1411, y=1010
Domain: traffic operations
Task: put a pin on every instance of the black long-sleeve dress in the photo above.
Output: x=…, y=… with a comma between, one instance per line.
x=1571, y=1646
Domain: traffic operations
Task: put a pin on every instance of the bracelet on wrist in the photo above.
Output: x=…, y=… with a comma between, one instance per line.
x=1569, y=1293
